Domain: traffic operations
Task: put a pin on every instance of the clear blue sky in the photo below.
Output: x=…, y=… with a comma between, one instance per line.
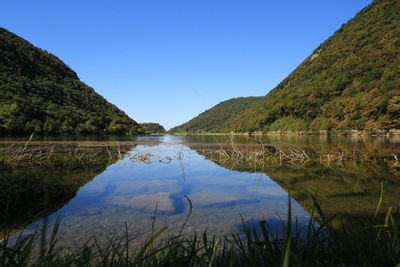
x=167, y=61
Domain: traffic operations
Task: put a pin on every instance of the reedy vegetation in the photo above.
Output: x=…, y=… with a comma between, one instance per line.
x=51, y=155
x=280, y=154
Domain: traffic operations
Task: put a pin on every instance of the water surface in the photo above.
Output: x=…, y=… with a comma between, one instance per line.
x=100, y=199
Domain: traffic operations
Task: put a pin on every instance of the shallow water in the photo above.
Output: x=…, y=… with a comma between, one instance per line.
x=100, y=199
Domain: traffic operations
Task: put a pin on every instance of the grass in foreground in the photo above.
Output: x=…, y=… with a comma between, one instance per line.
x=317, y=244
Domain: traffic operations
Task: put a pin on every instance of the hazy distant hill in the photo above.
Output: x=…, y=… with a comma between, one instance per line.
x=351, y=81
x=39, y=93
x=152, y=128
x=212, y=120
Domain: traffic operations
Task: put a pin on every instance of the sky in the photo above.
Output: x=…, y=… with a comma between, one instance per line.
x=166, y=61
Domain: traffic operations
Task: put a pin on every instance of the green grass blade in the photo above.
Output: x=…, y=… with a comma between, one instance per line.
x=288, y=237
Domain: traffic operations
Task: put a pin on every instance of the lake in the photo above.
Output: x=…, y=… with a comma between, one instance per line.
x=161, y=179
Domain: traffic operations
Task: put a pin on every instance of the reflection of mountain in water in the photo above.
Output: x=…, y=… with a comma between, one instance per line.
x=350, y=192
x=28, y=194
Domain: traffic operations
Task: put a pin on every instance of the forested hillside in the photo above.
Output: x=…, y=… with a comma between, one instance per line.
x=212, y=120
x=152, y=128
x=351, y=81
x=39, y=93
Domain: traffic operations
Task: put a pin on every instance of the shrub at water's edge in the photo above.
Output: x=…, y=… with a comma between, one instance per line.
x=41, y=94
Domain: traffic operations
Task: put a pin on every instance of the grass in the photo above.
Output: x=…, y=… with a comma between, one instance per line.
x=371, y=243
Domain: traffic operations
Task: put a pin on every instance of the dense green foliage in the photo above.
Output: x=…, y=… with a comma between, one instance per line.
x=39, y=93
x=350, y=82
x=152, y=128
x=212, y=120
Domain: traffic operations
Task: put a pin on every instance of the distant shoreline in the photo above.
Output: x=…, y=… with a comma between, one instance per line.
x=334, y=133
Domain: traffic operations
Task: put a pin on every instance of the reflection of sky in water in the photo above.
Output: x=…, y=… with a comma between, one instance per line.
x=129, y=191
x=173, y=139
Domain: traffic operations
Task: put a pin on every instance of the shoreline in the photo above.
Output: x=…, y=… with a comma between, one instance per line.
x=387, y=133
x=300, y=133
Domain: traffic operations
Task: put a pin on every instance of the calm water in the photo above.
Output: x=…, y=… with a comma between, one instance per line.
x=100, y=199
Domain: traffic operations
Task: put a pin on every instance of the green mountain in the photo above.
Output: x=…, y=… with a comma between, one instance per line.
x=212, y=120
x=152, y=128
x=39, y=93
x=351, y=81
